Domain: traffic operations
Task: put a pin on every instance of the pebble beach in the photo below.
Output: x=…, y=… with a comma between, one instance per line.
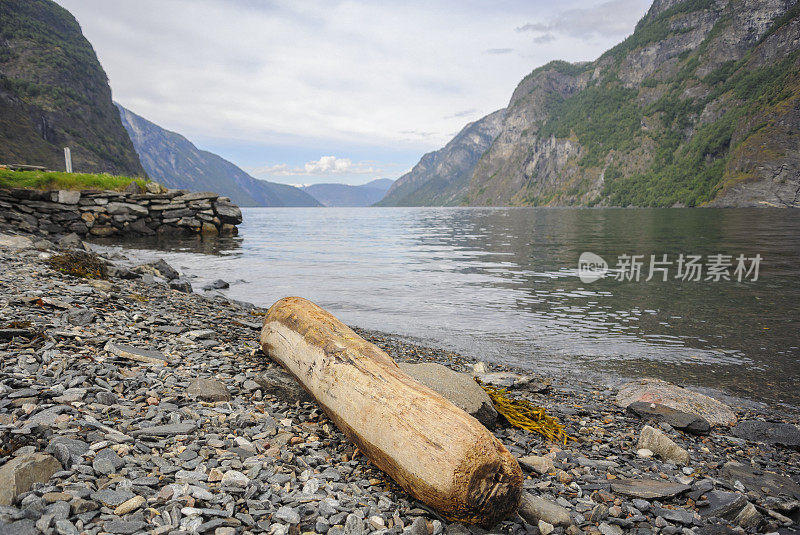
x=131, y=404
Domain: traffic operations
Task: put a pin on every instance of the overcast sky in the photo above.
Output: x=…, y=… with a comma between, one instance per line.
x=304, y=92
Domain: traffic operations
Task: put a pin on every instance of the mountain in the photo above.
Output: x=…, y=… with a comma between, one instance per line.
x=55, y=94
x=346, y=195
x=699, y=106
x=441, y=177
x=174, y=161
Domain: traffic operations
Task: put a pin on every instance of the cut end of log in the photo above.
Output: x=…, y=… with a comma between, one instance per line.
x=437, y=452
x=495, y=490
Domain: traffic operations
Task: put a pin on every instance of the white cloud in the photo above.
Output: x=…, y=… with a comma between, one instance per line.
x=352, y=72
x=325, y=166
x=611, y=18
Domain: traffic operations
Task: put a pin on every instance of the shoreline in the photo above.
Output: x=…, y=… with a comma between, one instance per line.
x=266, y=460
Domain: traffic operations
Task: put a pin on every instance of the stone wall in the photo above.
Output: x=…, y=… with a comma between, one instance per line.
x=112, y=213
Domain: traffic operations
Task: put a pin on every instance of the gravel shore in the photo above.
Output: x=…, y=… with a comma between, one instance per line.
x=163, y=416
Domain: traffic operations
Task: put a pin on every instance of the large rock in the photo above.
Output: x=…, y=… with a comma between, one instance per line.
x=459, y=388
x=648, y=489
x=759, y=481
x=660, y=444
x=228, y=213
x=125, y=208
x=541, y=465
x=722, y=504
x=533, y=509
x=20, y=473
x=676, y=397
x=158, y=269
x=147, y=356
x=196, y=196
x=208, y=390
x=66, y=196
x=684, y=421
x=276, y=382
x=10, y=241
x=769, y=433
x=166, y=430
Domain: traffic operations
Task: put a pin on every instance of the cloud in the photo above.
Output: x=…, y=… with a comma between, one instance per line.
x=464, y=113
x=612, y=18
x=498, y=51
x=544, y=38
x=325, y=166
x=329, y=75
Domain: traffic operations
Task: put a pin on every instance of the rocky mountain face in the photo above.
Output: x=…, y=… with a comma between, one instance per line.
x=699, y=106
x=346, y=195
x=55, y=94
x=441, y=177
x=174, y=161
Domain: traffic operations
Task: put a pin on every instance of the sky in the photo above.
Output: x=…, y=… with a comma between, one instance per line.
x=304, y=91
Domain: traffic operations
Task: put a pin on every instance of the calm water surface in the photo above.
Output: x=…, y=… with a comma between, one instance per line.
x=502, y=285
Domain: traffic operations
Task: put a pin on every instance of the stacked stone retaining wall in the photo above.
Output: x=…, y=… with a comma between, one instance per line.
x=110, y=213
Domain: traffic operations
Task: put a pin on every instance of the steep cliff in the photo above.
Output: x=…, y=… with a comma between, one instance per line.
x=441, y=177
x=55, y=94
x=700, y=105
x=174, y=161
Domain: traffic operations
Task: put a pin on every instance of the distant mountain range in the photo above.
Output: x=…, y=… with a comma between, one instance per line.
x=345, y=195
x=699, y=106
x=441, y=177
x=55, y=94
x=173, y=160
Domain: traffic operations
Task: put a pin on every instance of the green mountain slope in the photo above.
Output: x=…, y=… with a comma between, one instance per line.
x=698, y=106
x=54, y=94
x=174, y=161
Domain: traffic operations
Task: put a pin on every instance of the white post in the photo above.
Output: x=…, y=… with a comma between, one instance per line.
x=68, y=159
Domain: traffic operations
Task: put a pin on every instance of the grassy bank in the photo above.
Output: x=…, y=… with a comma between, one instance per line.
x=57, y=180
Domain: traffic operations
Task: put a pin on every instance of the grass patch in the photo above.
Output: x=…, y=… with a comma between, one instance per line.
x=58, y=180
x=79, y=264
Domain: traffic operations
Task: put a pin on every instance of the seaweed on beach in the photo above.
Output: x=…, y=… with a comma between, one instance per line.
x=79, y=264
x=523, y=414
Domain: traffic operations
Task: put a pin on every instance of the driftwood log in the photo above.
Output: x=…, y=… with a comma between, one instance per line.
x=438, y=453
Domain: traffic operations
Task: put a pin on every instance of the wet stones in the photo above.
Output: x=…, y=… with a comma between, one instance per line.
x=218, y=284
x=65, y=396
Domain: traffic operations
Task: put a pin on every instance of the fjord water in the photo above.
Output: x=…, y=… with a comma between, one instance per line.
x=502, y=285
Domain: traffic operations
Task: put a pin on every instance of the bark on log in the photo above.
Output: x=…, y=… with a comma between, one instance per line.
x=438, y=453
